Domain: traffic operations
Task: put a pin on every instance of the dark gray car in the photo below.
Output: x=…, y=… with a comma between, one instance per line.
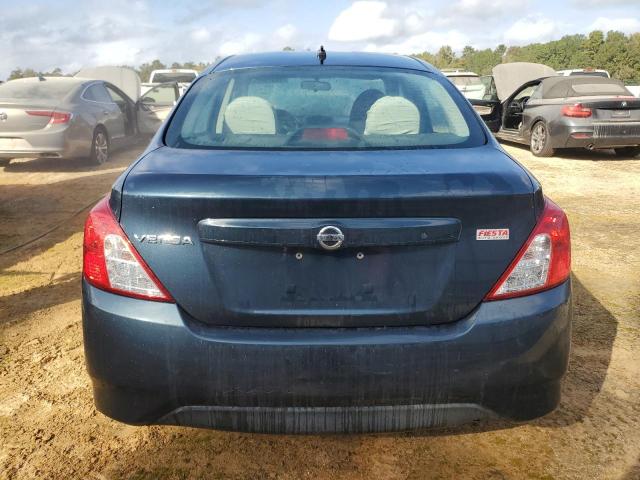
x=562, y=112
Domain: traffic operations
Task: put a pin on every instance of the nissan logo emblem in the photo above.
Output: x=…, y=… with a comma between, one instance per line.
x=3, y=117
x=330, y=237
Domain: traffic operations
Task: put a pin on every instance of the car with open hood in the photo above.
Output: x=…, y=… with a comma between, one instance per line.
x=85, y=116
x=325, y=246
x=536, y=107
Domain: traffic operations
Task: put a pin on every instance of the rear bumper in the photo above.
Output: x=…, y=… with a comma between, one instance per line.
x=576, y=135
x=150, y=363
x=32, y=153
x=60, y=142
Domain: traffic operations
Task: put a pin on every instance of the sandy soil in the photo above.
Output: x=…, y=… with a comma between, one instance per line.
x=49, y=427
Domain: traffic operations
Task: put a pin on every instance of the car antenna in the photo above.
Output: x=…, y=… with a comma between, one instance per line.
x=322, y=55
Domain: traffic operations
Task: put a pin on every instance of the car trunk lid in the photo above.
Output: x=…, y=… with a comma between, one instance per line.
x=16, y=118
x=615, y=109
x=233, y=235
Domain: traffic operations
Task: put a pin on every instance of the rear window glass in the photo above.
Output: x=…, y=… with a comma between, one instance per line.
x=36, y=90
x=97, y=93
x=321, y=107
x=174, y=77
x=464, y=81
x=587, y=89
x=590, y=74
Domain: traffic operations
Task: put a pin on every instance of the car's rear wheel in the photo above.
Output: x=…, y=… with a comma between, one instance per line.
x=540, y=142
x=627, y=152
x=100, y=147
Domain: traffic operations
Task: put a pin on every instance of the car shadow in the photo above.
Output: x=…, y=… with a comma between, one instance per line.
x=52, y=211
x=633, y=473
x=578, y=154
x=17, y=306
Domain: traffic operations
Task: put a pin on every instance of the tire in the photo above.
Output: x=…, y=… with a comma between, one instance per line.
x=627, y=152
x=99, y=147
x=539, y=143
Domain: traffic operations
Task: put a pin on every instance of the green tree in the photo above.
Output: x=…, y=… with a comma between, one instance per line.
x=145, y=69
x=445, y=57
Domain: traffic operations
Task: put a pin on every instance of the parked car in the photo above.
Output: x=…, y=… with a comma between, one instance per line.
x=554, y=112
x=182, y=76
x=153, y=107
x=335, y=247
x=86, y=116
x=469, y=83
x=593, y=72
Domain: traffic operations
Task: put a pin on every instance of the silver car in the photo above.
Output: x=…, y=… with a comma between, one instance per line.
x=549, y=112
x=77, y=117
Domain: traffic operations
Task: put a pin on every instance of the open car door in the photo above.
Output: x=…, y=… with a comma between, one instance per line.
x=505, y=80
x=154, y=106
x=489, y=107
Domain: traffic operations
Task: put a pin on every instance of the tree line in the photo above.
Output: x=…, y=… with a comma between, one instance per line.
x=613, y=51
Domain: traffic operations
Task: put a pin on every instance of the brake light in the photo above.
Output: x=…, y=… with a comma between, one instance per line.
x=331, y=134
x=576, y=111
x=55, y=118
x=111, y=263
x=543, y=262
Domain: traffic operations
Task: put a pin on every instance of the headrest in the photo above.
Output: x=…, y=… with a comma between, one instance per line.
x=250, y=115
x=392, y=116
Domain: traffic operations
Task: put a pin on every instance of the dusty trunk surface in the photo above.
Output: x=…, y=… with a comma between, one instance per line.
x=49, y=427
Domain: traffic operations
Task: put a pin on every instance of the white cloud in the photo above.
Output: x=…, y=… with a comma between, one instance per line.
x=428, y=41
x=483, y=8
x=532, y=29
x=602, y=3
x=200, y=35
x=119, y=52
x=286, y=32
x=626, y=25
x=363, y=20
x=247, y=43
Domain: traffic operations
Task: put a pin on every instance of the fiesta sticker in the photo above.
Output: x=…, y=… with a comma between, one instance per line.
x=492, y=234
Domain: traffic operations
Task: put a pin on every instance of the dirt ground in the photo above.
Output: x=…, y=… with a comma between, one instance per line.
x=49, y=427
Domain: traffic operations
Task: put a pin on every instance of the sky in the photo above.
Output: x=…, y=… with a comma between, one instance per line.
x=71, y=34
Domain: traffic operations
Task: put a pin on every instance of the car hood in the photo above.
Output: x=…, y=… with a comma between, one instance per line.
x=510, y=76
x=126, y=79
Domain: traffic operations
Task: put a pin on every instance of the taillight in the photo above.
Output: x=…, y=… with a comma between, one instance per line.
x=111, y=263
x=543, y=262
x=55, y=118
x=576, y=111
x=330, y=134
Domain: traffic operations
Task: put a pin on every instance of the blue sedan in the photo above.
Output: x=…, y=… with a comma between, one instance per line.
x=335, y=246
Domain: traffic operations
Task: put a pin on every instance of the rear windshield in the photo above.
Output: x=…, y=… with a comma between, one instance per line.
x=591, y=89
x=590, y=74
x=174, y=77
x=32, y=90
x=464, y=81
x=323, y=107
